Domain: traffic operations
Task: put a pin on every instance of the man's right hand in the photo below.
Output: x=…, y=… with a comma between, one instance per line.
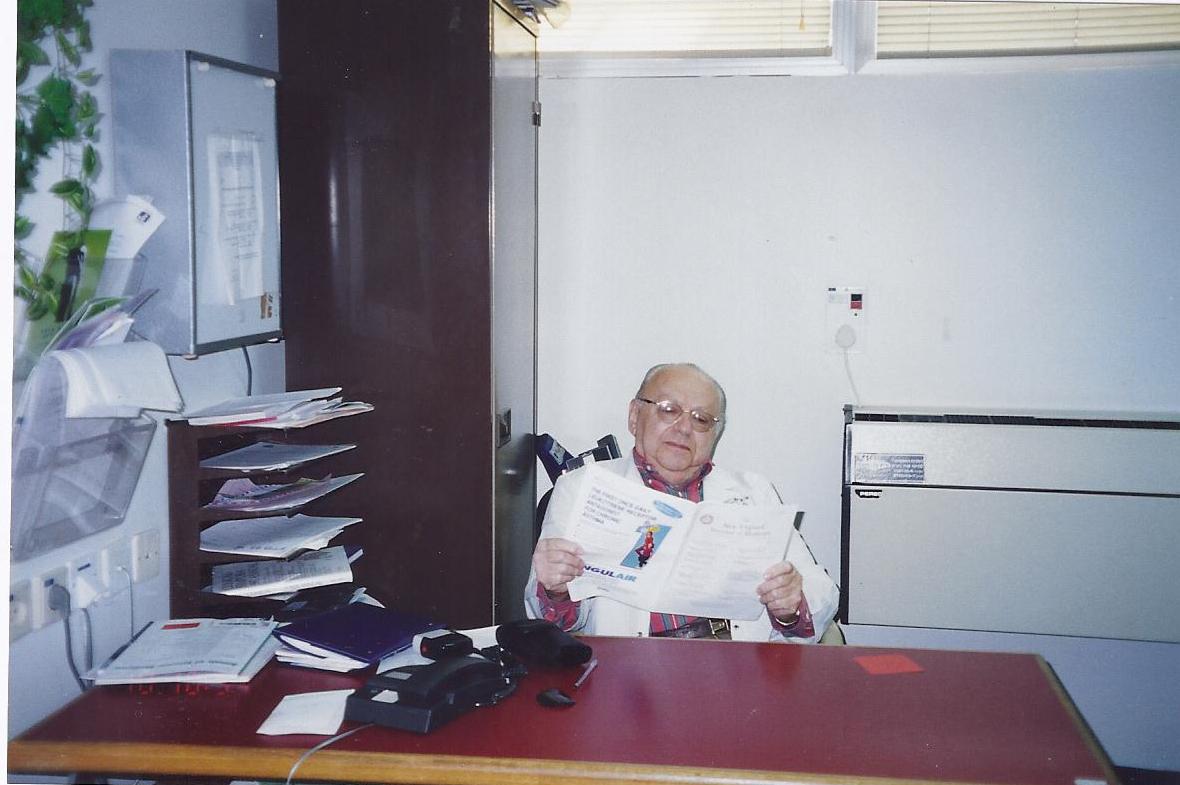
x=556, y=562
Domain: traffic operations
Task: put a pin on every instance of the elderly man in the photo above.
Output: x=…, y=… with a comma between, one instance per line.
x=676, y=418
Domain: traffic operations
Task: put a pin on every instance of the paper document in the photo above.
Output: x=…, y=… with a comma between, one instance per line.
x=253, y=408
x=131, y=219
x=664, y=554
x=117, y=380
x=274, y=536
x=263, y=578
x=245, y=495
x=192, y=650
x=316, y=713
x=272, y=456
x=314, y=412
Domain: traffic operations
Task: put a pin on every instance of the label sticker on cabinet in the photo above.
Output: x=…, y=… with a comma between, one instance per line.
x=874, y=467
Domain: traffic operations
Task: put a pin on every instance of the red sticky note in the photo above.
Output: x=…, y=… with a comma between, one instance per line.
x=883, y=664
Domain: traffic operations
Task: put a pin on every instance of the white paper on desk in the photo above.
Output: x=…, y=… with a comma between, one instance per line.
x=192, y=650
x=117, y=380
x=664, y=554
x=316, y=713
x=131, y=219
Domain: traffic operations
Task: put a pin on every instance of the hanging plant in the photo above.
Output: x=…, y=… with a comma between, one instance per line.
x=58, y=114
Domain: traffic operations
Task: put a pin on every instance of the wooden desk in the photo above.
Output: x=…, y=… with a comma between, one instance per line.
x=655, y=710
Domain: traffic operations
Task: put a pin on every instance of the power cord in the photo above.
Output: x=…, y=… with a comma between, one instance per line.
x=89, y=639
x=320, y=746
x=59, y=599
x=249, y=372
x=130, y=599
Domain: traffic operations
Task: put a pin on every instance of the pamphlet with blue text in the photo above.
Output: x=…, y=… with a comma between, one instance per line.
x=665, y=554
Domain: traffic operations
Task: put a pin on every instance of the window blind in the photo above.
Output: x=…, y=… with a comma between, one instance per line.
x=948, y=29
x=673, y=27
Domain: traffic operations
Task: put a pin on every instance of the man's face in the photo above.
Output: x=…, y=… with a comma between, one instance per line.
x=675, y=449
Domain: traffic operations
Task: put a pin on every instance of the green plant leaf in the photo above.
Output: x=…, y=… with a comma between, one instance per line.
x=28, y=278
x=87, y=77
x=68, y=50
x=46, y=281
x=84, y=42
x=31, y=52
x=37, y=308
x=89, y=161
x=23, y=228
x=65, y=187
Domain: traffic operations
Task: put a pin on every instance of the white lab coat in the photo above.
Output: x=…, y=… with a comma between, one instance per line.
x=604, y=616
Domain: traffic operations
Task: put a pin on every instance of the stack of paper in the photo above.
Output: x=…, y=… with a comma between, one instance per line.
x=279, y=410
x=313, y=412
x=274, y=536
x=348, y=638
x=272, y=456
x=281, y=578
x=244, y=495
x=254, y=408
x=192, y=650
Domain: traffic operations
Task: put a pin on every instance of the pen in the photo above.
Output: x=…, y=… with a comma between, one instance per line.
x=590, y=666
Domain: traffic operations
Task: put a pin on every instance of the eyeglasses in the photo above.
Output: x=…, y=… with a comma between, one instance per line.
x=670, y=411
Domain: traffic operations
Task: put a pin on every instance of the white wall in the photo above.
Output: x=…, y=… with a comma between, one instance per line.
x=1017, y=235
x=240, y=30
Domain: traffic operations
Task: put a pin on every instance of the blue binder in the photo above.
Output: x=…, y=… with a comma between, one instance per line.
x=358, y=631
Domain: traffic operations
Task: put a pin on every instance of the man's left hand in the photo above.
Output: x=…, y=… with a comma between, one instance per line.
x=781, y=591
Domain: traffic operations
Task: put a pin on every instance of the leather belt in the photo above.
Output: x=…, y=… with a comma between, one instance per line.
x=700, y=628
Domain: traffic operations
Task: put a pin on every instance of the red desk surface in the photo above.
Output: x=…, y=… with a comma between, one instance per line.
x=654, y=710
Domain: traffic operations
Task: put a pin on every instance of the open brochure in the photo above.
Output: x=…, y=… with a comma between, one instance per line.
x=192, y=650
x=664, y=554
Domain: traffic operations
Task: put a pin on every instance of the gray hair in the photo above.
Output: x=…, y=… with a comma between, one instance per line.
x=656, y=370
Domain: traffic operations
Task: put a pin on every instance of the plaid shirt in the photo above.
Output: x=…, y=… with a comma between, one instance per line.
x=564, y=613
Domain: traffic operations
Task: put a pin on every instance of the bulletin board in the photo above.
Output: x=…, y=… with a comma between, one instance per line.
x=235, y=201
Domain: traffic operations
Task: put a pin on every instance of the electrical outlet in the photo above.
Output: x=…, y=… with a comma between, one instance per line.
x=20, y=610
x=42, y=613
x=145, y=555
x=86, y=583
x=114, y=556
x=846, y=320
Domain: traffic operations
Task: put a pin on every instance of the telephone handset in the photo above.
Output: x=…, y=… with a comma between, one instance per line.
x=422, y=697
x=461, y=677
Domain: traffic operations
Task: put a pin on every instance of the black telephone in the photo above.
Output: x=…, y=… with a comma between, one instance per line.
x=428, y=696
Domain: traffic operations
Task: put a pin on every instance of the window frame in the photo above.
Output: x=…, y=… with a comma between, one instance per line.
x=854, y=51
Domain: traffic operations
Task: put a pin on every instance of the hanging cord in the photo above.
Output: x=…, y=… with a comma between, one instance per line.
x=89, y=639
x=851, y=381
x=130, y=600
x=320, y=746
x=249, y=372
x=59, y=599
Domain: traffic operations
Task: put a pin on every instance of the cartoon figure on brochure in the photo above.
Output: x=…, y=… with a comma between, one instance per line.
x=649, y=539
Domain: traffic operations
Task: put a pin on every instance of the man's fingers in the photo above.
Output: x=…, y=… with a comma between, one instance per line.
x=775, y=570
x=557, y=562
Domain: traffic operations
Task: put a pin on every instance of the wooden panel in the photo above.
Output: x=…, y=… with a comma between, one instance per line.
x=385, y=136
